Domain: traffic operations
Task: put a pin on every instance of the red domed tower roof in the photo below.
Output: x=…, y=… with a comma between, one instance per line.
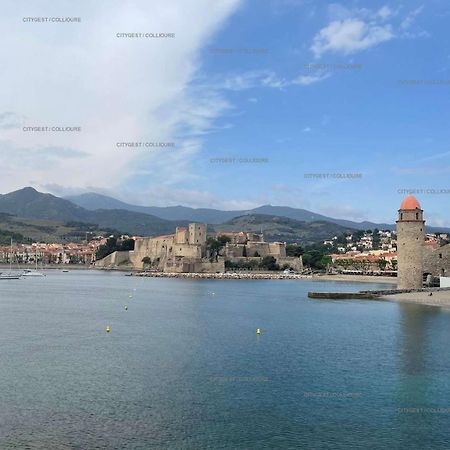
x=410, y=203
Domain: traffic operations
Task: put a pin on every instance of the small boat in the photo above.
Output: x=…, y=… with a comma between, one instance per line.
x=35, y=272
x=9, y=277
x=32, y=273
x=65, y=270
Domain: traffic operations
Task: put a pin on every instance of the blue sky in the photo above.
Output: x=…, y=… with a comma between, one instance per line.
x=235, y=83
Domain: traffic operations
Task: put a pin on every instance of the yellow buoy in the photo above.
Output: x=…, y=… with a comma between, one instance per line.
x=258, y=331
x=108, y=329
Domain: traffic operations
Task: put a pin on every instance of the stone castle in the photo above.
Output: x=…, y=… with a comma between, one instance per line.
x=184, y=251
x=415, y=259
x=252, y=246
x=187, y=251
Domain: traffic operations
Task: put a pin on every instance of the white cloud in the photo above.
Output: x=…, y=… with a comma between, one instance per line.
x=10, y=120
x=346, y=212
x=266, y=79
x=385, y=12
x=411, y=18
x=305, y=80
x=117, y=90
x=353, y=30
x=251, y=79
x=437, y=220
x=349, y=36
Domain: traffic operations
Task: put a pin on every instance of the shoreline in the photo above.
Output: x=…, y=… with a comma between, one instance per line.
x=47, y=267
x=439, y=298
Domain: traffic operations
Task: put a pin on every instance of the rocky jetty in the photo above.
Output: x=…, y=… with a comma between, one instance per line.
x=225, y=276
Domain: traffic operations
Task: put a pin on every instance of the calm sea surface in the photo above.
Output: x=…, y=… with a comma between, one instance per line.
x=183, y=368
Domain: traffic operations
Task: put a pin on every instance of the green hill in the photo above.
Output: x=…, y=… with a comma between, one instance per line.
x=283, y=229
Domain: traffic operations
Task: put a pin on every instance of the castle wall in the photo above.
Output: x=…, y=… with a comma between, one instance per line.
x=292, y=261
x=170, y=250
x=155, y=248
x=181, y=235
x=262, y=248
x=187, y=265
x=187, y=250
x=234, y=250
x=277, y=249
x=114, y=259
x=437, y=261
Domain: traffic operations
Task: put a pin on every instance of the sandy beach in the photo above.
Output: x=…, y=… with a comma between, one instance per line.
x=439, y=298
x=361, y=278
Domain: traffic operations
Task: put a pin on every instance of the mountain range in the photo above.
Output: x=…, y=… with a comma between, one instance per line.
x=106, y=213
x=93, y=201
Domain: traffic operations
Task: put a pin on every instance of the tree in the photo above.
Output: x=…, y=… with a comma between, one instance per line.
x=376, y=241
x=114, y=245
x=215, y=245
x=294, y=250
x=382, y=264
x=127, y=244
x=316, y=260
x=269, y=263
x=344, y=263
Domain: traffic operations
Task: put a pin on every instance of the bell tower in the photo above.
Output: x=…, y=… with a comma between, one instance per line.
x=410, y=241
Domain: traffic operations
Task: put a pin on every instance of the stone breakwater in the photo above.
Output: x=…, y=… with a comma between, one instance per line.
x=226, y=276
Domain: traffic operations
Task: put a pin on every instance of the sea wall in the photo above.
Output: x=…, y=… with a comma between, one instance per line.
x=114, y=259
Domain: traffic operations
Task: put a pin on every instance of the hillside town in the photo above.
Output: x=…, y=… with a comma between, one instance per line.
x=81, y=253
x=372, y=251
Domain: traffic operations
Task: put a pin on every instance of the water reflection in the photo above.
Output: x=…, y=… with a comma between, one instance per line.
x=415, y=330
x=415, y=401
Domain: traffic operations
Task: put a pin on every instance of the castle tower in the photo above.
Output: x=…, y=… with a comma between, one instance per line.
x=410, y=241
x=197, y=233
